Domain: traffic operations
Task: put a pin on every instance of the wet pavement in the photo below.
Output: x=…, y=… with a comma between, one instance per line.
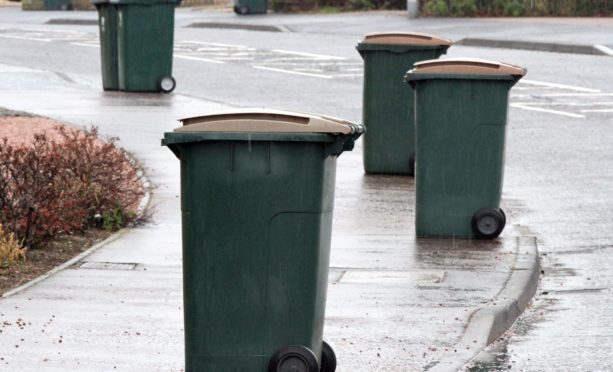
x=394, y=303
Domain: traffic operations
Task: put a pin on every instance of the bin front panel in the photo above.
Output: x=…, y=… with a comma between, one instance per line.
x=388, y=112
x=460, y=152
x=56, y=4
x=107, y=24
x=145, y=45
x=256, y=239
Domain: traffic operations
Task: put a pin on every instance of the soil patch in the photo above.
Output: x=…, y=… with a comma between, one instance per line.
x=40, y=261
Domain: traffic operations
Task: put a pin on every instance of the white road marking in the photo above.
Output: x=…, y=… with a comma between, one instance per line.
x=293, y=72
x=25, y=38
x=571, y=103
x=599, y=110
x=198, y=59
x=606, y=50
x=215, y=44
x=87, y=45
x=563, y=86
x=524, y=107
x=578, y=95
x=318, y=56
x=348, y=75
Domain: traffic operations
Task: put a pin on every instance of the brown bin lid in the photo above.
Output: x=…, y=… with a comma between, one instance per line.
x=404, y=38
x=264, y=120
x=473, y=66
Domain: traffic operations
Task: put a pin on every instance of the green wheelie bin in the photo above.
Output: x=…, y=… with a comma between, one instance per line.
x=107, y=24
x=387, y=108
x=46, y=5
x=145, y=38
x=461, y=114
x=257, y=192
x=243, y=7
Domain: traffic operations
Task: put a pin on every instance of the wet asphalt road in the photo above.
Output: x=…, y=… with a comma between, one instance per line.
x=559, y=167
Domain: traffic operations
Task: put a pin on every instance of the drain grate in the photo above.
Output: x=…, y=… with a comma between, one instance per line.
x=108, y=266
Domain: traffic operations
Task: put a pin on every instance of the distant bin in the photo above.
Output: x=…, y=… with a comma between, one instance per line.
x=243, y=7
x=46, y=5
x=145, y=39
x=136, y=39
x=461, y=114
x=107, y=24
x=257, y=193
x=58, y=5
x=387, y=108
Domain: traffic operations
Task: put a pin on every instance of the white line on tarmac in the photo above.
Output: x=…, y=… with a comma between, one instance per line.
x=602, y=110
x=25, y=38
x=198, y=59
x=606, y=50
x=215, y=44
x=524, y=107
x=322, y=56
x=563, y=86
x=567, y=103
x=292, y=72
x=348, y=75
x=577, y=95
x=87, y=45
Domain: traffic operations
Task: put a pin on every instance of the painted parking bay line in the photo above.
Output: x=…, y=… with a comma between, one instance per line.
x=561, y=86
x=293, y=72
x=540, y=109
x=312, y=55
x=598, y=110
x=199, y=59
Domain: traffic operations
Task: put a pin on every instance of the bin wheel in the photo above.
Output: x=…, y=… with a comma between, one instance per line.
x=412, y=165
x=167, y=84
x=488, y=223
x=328, y=358
x=293, y=359
x=504, y=216
x=241, y=9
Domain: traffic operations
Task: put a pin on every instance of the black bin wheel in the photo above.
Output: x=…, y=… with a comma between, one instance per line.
x=167, y=84
x=504, y=216
x=328, y=358
x=488, y=223
x=293, y=359
x=241, y=9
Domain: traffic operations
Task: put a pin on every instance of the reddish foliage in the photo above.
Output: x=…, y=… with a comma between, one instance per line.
x=55, y=186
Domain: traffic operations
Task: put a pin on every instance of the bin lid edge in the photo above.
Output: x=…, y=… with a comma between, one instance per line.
x=265, y=121
x=404, y=38
x=475, y=66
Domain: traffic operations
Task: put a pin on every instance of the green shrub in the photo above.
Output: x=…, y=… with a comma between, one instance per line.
x=361, y=4
x=437, y=8
x=514, y=8
x=463, y=8
x=114, y=220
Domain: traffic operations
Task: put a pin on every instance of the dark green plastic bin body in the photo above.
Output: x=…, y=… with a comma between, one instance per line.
x=251, y=6
x=257, y=216
x=388, y=113
x=461, y=126
x=107, y=23
x=57, y=4
x=145, y=34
